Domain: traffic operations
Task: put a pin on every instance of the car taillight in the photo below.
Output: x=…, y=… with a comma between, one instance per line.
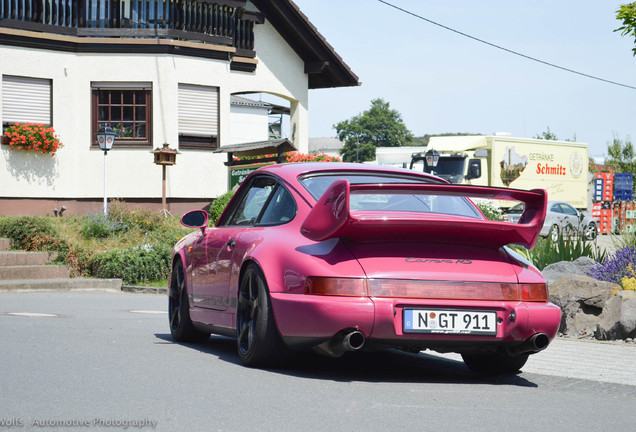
x=426, y=289
x=336, y=286
x=534, y=292
x=443, y=289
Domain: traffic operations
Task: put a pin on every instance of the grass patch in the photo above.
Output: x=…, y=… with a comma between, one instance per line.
x=134, y=246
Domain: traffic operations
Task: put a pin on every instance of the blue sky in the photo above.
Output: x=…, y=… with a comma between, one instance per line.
x=443, y=82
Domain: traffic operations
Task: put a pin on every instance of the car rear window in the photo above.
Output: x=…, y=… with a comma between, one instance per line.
x=418, y=202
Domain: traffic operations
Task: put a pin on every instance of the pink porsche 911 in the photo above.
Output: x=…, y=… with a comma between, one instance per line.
x=339, y=257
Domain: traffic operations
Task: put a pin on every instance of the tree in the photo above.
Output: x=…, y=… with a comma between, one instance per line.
x=378, y=126
x=621, y=156
x=627, y=14
x=547, y=135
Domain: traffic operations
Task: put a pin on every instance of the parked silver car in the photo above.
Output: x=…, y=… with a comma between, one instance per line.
x=560, y=217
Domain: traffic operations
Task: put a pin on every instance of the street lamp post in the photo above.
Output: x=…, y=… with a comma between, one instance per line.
x=105, y=139
x=432, y=157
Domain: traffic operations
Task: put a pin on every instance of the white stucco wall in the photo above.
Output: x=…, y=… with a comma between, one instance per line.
x=248, y=124
x=76, y=171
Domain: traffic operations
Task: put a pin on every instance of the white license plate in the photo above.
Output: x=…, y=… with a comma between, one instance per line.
x=443, y=321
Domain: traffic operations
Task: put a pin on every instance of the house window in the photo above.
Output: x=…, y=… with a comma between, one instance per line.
x=26, y=100
x=198, y=116
x=125, y=107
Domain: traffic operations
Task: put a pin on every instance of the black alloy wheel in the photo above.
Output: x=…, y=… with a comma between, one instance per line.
x=258, y=340
x=181, y=326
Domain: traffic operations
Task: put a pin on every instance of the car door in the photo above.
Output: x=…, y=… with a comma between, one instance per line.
x=570, y=218
x=211, y=276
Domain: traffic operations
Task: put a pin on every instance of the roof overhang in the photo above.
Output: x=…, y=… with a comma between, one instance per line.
x=323, y=65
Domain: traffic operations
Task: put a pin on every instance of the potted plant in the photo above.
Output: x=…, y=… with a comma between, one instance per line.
x=32, y=137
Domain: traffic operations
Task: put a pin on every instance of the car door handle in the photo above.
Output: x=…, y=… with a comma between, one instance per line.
x=230, y=245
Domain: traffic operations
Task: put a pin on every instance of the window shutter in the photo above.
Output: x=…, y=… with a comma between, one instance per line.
x=26, y=100
x=198, y=110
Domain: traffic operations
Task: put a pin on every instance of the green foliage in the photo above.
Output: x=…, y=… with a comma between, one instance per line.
x=101, y=226
x=621, y=156
x=489, y=210
x=627, y=14
x=379, y=126
x=22, y=230
x=625, y=240
x=547, y=135
x=139, y=264
x=218, y=205
x=546, y=252
x=35, y=233
x=148, y=262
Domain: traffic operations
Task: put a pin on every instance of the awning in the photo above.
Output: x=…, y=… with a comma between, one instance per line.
x=263, y=151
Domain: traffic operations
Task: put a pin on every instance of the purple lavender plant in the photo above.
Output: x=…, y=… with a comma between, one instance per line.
x=614, y=268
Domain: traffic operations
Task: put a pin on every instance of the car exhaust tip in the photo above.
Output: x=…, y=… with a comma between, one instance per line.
x=343, y=341
x=535, y=343
x=539, y=341
x=353, y=341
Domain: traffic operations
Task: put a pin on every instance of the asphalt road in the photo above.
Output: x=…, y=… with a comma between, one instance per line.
x=105, y=361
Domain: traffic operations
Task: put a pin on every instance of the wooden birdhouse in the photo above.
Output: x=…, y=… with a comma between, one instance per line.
x=165, y=156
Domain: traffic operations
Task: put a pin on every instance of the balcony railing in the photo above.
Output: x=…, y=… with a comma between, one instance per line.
x=208, y=21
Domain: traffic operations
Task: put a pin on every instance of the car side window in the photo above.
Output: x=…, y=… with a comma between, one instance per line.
x=280, y=209
x=556, y=208
x=568, y=210
x=253, y=202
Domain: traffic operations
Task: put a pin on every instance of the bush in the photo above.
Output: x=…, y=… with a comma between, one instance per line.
x=139, y=264
x=146, y=220
x=219, y=204
x=491, y=212
x=617, y=267
x=23, y=230
x=102, y=225
x=629, y=280
x=626, y=239
x=546, y=252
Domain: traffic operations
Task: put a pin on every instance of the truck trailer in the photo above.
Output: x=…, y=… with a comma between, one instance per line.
x=560, y=167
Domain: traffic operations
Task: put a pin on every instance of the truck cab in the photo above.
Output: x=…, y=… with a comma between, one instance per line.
x=457, y=167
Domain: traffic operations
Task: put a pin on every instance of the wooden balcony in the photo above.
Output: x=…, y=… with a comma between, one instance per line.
x=218, y=22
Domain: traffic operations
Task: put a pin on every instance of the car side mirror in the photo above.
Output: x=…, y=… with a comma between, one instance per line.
x=195, y=219
x=474, y=169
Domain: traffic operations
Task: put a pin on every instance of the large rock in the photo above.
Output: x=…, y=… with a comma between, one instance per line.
x=581, y=299
x=580, y=266
x=618, y=320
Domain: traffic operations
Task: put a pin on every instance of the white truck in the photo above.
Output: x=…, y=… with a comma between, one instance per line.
x=560, y=167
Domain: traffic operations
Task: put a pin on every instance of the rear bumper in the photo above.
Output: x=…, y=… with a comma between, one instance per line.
x=306, y=320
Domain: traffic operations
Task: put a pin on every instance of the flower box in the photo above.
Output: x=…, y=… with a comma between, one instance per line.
x=32, y=137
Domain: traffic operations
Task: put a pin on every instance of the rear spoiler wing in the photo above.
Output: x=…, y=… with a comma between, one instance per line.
x=331, y=217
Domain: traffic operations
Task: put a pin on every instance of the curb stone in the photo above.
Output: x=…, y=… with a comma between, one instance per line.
x=144, y=289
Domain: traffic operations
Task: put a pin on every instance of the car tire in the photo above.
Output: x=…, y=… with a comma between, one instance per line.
x=554, y=233
x=495, y=364
x=181, y=326
x=591, y=232
x=258, y=342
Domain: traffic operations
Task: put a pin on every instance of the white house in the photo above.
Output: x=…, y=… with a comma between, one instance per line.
x=156, y=71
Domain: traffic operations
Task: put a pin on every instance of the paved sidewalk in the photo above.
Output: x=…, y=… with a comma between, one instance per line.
x=582, y=359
